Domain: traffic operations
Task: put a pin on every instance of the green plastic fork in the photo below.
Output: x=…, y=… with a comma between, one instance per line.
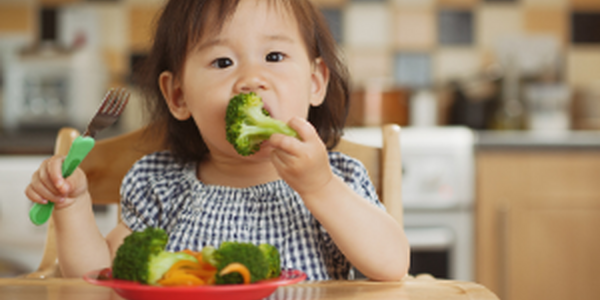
x=109, y=111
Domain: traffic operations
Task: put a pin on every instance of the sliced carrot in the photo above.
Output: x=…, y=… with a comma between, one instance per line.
x=196, y=254
x=185, y=264
x=202, y=273
x=239, y=268
x=181, y=279
x=181, y=273
x=191, y=273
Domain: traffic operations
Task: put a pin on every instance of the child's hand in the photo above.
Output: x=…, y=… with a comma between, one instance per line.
x=47, y=184
x=304, y=163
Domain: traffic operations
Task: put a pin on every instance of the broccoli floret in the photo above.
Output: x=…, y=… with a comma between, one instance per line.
x=245, y=253
x=142, y=257
x=248, y=124
x=272, y=258
x=208, y=255
x=263, y=262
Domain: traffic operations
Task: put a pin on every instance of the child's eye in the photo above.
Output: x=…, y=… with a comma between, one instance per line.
x=274, y=57
x=222, y=63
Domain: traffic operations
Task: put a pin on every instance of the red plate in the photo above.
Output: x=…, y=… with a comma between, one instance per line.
x=135, y=291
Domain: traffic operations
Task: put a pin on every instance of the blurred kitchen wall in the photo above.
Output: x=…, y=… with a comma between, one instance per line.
x=451, y=47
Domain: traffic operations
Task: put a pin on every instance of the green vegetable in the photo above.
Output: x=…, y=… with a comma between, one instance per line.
x=272, y=258
x=142, y=257
x=248, y=124
x=262, y=261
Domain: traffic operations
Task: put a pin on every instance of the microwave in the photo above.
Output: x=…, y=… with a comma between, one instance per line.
x=50, y=88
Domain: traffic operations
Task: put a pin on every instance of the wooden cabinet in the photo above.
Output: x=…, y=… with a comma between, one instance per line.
x=141, y=26
x=16, y=18
x=538, y=223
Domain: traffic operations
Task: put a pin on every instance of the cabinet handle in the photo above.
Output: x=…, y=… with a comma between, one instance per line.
x=503, y=251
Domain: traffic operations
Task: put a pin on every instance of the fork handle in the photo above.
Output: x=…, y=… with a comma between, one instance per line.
x=40, y=213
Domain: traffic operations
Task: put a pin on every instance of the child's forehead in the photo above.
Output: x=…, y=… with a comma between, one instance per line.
x=218, y=16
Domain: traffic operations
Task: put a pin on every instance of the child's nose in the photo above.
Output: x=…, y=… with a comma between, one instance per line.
x=250, y=80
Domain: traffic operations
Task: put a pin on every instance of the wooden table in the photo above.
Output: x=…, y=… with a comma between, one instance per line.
x=410, y=288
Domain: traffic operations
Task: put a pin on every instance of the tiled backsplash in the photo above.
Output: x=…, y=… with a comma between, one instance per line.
x=455, y=27
x=413, y=43
x=585, y=27
x=430, y=42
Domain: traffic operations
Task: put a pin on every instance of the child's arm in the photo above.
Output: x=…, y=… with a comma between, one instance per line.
x=81, y=247
x=369, y=237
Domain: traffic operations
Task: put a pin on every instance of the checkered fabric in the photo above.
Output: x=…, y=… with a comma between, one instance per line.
x=158, y=192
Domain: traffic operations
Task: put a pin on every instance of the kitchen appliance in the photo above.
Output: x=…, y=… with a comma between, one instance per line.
x=58, y=80
x=437, y=195
x=548, y=107
x=48, y=89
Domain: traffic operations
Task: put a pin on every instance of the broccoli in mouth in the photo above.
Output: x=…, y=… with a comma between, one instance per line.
x=248, y=124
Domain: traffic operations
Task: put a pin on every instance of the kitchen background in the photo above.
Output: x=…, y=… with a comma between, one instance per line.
x=488, y=64
x=524, y=74
x=495, y=64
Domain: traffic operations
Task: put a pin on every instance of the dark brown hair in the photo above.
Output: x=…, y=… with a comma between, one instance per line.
x=183, y=23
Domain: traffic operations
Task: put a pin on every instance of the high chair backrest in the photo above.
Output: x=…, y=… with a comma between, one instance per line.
x=110, y=159
x=384, y=166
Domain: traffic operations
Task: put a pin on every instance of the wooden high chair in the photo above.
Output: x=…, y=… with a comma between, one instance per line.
x=110, y=159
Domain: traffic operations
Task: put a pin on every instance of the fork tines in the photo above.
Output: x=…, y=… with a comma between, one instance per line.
x=114, y=102
x=109, y=111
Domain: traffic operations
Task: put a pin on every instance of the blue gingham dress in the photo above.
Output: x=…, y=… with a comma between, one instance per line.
x=159, y=192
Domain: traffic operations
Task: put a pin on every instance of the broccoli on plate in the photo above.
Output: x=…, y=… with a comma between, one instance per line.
x=248, y=124
x=263, y=261
x=142, y=257
x=272, y=258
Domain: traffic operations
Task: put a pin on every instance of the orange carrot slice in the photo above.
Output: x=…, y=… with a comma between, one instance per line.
x=181, y=279
x=189, y=273
x=239, y=268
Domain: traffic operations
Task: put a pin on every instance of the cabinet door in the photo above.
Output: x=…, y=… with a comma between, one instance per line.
x=538, y=216
x=552, y=253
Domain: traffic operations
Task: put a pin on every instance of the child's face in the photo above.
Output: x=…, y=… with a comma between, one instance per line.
x=259, y=49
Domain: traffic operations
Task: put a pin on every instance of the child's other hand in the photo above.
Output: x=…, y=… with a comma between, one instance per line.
x=304, y=163
x=47, y=184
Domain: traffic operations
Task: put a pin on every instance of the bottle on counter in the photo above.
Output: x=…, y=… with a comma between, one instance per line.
x=511, y=111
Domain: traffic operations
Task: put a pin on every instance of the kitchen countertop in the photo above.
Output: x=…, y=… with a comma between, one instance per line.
x=30, y=143
x=585, y=140
x=37, y=142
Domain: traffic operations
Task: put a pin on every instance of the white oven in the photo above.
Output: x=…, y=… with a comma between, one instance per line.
x=438, y=196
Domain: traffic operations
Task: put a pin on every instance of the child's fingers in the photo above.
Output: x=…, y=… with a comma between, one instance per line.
x=305, y=130
x=34, y=196
x=44, y=185
x=306, y=133
x=54, y=173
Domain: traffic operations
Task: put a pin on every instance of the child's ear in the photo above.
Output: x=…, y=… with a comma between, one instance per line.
x=320, y=81
x=171, y=90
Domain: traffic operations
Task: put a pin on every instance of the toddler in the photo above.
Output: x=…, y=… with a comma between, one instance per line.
x=317, y=207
